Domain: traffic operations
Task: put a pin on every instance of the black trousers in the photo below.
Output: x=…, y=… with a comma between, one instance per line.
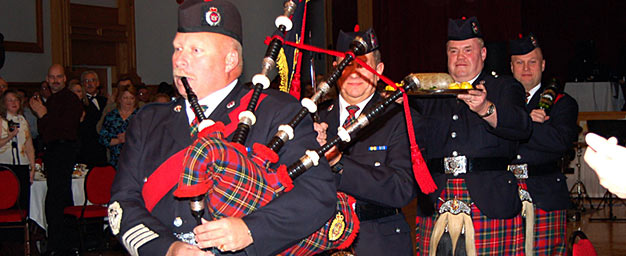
x=59, y=160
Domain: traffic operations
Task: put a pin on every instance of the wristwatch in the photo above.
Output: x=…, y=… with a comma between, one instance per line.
x=490, y=110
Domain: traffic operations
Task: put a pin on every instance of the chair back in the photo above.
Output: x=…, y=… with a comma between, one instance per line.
x=9, y=188
x=583, y=246
x=98, y=184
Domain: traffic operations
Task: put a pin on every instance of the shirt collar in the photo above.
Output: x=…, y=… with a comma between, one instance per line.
x=343, y=113
x=473, y=79
x=211, y=101
x=532, y=92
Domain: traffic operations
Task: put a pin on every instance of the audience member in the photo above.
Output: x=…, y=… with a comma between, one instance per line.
x=44, y=91
x=113, y=133
x=162, y=98
x=3, y=86
x=92, y=153
x=29, y=115
x=16, y=145
x=58, y=125
x=143, y=95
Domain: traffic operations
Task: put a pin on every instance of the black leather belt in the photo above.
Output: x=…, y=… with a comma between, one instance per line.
x=543, y=169
x=473, y=164
x=371, y=211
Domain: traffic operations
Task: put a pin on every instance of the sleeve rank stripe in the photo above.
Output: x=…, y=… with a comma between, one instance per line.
x=136, y=237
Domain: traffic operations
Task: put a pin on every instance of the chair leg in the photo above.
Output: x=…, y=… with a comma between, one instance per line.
x=82, y=224
x=26, y=239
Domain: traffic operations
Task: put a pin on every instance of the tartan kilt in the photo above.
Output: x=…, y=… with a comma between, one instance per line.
x=550, y=232
x=492, y=236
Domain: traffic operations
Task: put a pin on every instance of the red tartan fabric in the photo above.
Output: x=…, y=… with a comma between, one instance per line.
x=236, y=186
x=493, y=236
x=312, y=244
x=550, y=232
x=238, y=182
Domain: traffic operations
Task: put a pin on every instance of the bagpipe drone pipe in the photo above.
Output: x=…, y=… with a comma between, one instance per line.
x=215, y=167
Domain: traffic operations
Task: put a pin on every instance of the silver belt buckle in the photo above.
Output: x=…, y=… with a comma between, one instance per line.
x=455, y=165
x=519, y=170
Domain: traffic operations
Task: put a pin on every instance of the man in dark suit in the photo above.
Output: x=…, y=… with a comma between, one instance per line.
x=91, y=152
x=470, y=142
x=537, y=161
x=375, y=167
x=143, y=213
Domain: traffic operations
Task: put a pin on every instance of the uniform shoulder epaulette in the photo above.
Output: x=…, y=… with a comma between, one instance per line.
x=494, y=74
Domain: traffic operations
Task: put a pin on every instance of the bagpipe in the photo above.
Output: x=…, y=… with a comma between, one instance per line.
x=237, y=180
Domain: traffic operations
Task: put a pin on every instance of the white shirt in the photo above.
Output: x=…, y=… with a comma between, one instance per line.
x=532, y=92
x=343, y=112
x=211, y=101
x=470, y=81
x=93, y=100
x=6, y=151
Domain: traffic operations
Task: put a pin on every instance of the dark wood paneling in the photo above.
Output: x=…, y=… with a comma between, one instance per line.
x=87, y=14
x=93, y=53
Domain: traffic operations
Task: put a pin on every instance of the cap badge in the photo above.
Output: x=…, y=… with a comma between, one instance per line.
x=533, y=41
x=474, y=28
x=213, y=17
x=373, y=40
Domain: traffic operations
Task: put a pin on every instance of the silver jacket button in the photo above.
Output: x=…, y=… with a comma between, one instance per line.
x=178, y=222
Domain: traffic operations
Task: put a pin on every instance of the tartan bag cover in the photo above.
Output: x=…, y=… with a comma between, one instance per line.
x=235, y=185
x=238, y=182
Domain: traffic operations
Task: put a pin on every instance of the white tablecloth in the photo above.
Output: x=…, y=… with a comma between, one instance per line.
x=596, y=96
x=38, y=199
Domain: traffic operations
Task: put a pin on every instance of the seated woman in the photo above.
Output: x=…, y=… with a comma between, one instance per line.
x=115, y=122
x=16, y=145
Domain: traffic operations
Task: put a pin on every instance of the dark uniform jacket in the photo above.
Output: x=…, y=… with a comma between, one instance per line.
x=91, y=151
x=377, y=170
x=548, y=142
x=160, y=130
x=456, y=130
